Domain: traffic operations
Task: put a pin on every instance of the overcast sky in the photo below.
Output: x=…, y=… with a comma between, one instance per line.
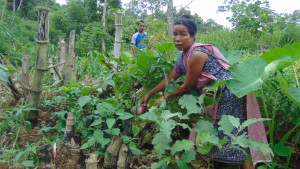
x=207, y=9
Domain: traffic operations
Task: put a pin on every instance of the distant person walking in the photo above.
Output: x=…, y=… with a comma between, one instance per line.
x=139, y=38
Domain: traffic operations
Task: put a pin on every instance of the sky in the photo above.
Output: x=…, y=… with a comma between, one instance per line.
x=207, y=9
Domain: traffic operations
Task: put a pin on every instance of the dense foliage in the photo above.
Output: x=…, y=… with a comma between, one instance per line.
x=262, y=46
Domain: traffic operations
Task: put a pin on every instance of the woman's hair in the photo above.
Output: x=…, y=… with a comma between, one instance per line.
x=187, y=22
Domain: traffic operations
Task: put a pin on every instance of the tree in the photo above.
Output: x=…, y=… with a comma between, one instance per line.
x=250, y=15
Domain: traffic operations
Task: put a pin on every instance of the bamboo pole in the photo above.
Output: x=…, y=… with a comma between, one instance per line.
x=41, y=62
x=170, y=18
x=118, y=38
x=3, y=11
x=103, y=24
x=62, y=68
x=25, y=74
x=70, y=75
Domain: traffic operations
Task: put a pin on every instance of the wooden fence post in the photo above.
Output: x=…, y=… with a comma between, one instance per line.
x=62, y=68
x=71, y=69
x=41, y=62
x=118, y=38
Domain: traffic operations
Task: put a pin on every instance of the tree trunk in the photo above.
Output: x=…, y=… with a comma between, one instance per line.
x=14, y=6
x=3, y=12
x=118, y=38
x=103, y=24
x=19, y=5
x=41, y=62
x=71, y=69
x=170, y=18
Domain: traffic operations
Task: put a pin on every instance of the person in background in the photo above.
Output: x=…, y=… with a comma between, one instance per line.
x=203, y=63
x=139, y=38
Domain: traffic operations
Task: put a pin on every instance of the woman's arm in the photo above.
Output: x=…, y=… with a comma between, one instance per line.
x=195, y=67
x=161, y=86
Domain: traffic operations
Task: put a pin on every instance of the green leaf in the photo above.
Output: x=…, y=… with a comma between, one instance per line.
x=163, y=47
x=228, y=123
x=3, y=74
x=181, y=164
x=232, y=56
x=135, y=130
x=181, y=145
x=252, y=121
x=292, y=51
x=110, y=82
x=88, y=144
x=190, y=103
x=110, y=122
x=246, y=76
x=151, y=116
x=115, y=131
x=161, y=143
x=124, y=115
x=167, y=127
x=27, y=163
x=204, y=126
x=188, y=156
x=282, y=150
x=134, y=149
x=83, y=100
x=146, y=60
x=98, y=135
x=97, y=122
x=162, y=164
x=272, y=67
x=295, y=93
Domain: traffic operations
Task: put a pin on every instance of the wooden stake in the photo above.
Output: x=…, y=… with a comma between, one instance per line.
x=62, y=68
x=71, y=69
x=110, y=161
x=122, y=157
x=118, y=38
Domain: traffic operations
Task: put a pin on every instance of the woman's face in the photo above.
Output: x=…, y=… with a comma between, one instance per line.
x=182, y=38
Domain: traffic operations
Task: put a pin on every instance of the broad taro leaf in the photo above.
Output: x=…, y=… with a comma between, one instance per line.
x=233, y=56
x=291, y=92
x=3, y=74
x=282, y=150
x=246, y=77
x=292, y=50
x=275, y=65
x=295, y=93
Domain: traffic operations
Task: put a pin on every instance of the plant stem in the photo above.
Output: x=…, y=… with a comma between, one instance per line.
x=273, y=121
x=295, y=72
x=266, y=112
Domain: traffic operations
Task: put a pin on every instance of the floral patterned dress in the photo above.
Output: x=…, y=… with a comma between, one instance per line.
x=229, y=104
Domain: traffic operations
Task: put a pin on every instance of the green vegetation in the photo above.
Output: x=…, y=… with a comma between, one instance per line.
x=263, y=48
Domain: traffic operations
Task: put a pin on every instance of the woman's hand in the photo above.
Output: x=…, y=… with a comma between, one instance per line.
x=145, y=99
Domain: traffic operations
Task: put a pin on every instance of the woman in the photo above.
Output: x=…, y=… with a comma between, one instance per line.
x=201, y=64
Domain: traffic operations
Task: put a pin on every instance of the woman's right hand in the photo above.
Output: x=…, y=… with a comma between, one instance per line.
x=145, y=99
